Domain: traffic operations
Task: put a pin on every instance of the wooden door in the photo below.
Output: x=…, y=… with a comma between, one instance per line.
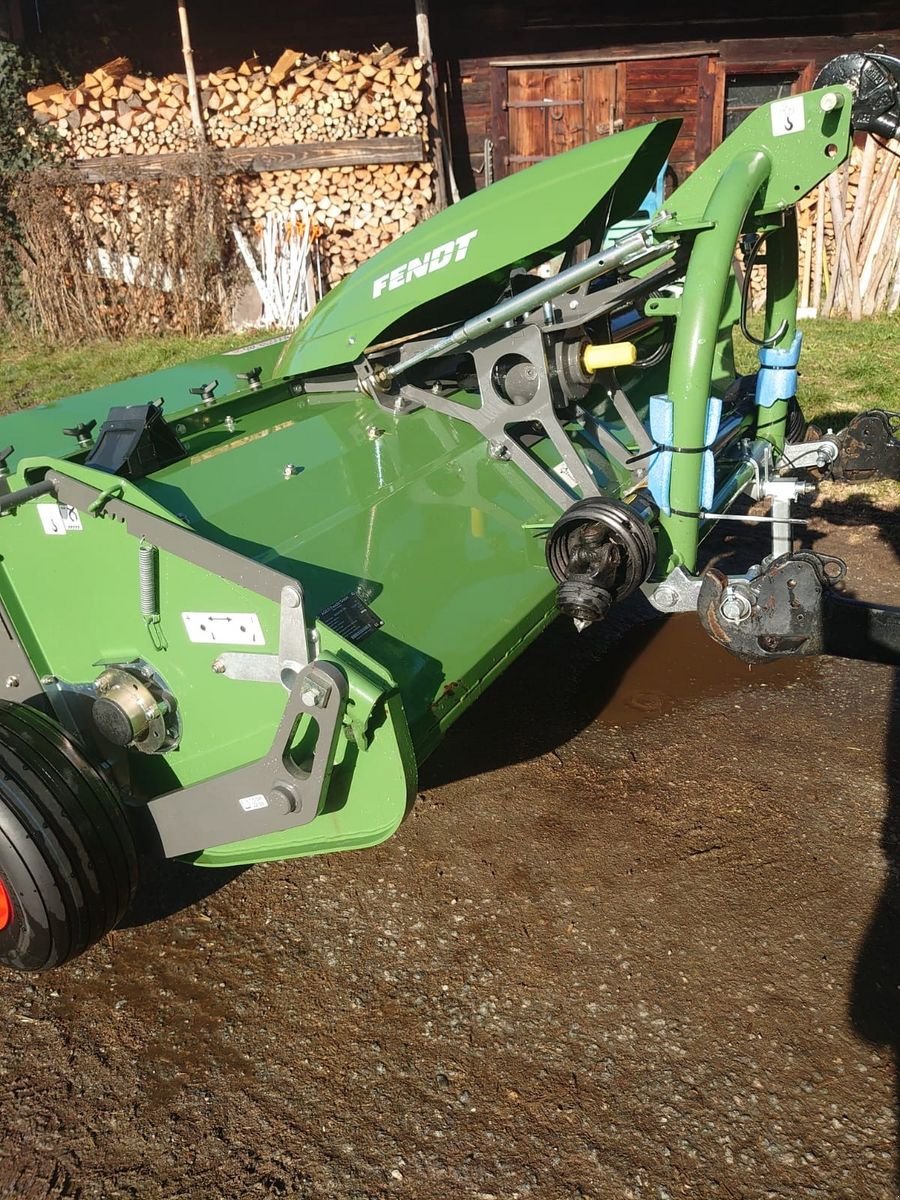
x=551, y=109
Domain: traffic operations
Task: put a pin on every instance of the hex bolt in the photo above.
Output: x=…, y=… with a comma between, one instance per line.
x=229, y=424
x=290, y=471
x=374, y=432
x=218, y=667
x=497, y=451
x=12, y=681
x=734, y=607
x=314, y=694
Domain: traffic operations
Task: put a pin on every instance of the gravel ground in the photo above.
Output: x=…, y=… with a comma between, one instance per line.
x=638, y=938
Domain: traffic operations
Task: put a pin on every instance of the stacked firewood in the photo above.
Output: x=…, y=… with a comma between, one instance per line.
x=849, y=233
x=358, y=210
x=301, y=99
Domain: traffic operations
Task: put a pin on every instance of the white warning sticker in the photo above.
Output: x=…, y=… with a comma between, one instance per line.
x=59, y=519
x=228, y=629
x=252, y=803
x=788, y=116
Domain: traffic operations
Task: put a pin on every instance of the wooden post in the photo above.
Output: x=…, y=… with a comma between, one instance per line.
x=815, y=299
x=194, y=98
x=424, y=35
x=16, y=21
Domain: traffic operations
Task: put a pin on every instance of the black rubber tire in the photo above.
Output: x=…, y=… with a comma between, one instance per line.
x=67, y=856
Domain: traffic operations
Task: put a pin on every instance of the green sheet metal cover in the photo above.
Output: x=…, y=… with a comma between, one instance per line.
x=39, y=431
x=456, y=263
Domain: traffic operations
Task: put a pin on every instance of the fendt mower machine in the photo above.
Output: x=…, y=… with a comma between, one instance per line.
x=243, y=599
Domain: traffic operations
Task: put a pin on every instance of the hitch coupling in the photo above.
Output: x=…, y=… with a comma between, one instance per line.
x=791, y=610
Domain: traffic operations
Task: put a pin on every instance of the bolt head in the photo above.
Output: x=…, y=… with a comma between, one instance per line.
x=665, y=597
x=498, y=451
x=283, y=799
x=735, y=607
x=292, y=598
x=374, y=432
x=12, y=681
x=218, y=667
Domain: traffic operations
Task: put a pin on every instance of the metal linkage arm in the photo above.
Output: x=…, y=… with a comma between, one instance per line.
x=635, y=246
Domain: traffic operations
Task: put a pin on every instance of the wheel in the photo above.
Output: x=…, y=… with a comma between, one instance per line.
x=68, y=865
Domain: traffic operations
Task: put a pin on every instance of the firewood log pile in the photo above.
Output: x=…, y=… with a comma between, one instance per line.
x=849, y=235
x=301, y=99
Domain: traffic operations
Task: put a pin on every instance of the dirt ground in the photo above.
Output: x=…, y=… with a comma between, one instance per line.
x=640, y=937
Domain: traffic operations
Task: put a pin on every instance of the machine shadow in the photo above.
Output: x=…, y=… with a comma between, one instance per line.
x=549, y=695
x=169, y=886
x=874, y=995
x=566, y=680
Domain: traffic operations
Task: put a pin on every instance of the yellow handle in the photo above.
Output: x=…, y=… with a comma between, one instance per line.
x=618, y=354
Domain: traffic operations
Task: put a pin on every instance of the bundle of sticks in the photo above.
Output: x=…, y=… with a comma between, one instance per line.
x=357, y=210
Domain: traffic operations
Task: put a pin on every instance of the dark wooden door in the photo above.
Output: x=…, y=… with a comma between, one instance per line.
x=551, y=109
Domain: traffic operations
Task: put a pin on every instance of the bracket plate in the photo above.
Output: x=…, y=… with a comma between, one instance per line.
x=270, y=795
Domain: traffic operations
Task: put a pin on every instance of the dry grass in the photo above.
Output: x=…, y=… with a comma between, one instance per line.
x=172, y=233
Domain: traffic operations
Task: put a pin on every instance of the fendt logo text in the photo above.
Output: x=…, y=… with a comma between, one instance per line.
x=432, y=260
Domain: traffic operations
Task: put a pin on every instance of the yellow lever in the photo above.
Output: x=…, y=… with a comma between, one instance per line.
x=617, y=354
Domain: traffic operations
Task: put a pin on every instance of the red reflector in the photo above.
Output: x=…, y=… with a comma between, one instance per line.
x=6, y=911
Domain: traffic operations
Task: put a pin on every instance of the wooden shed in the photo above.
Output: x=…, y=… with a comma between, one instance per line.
x=527, y=80
x=519, y=81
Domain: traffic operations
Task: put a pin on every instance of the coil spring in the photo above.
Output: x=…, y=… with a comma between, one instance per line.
x=148, y=569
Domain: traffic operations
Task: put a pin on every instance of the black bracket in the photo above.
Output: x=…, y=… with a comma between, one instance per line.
x=869, y=448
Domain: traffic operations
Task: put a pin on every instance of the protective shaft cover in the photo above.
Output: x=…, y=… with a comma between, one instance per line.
x=458, y=262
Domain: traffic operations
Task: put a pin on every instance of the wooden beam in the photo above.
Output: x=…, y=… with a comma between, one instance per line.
x=16, y=21
x=423, y=33
x=251, y=160
x=187, y=51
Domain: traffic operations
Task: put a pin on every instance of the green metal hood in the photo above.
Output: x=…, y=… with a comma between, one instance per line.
x=458, y=262
x=39, y=430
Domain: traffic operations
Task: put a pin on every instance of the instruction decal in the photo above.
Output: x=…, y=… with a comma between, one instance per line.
x=252, y=803
x=59, y=519
x=788, y=116
x=224, y=629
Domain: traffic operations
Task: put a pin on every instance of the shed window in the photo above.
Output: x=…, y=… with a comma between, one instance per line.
x=744, y=93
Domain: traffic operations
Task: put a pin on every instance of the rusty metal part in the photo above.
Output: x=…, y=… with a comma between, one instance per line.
x=791, y=610
x=869, y=447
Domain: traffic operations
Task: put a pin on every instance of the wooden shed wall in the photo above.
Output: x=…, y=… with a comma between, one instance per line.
x=677, y=79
